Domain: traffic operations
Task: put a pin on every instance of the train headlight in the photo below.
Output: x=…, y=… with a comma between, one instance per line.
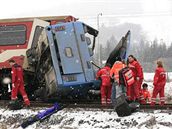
x=6, y=80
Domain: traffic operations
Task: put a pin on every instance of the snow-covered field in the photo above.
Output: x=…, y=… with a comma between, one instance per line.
x=149, y=76
x=86, y=119
x=91, y=118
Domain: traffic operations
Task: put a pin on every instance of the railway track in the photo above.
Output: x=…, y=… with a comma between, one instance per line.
x=157, y=107
x=88, y=105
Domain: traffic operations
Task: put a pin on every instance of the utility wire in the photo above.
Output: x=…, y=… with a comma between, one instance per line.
x=130, y=15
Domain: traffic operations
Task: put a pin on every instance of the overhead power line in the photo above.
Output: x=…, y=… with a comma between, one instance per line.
x=131, y=15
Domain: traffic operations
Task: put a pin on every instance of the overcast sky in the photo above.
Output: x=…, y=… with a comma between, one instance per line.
x=155, y=16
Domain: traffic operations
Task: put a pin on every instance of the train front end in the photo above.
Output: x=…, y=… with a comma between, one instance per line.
x=71, y=53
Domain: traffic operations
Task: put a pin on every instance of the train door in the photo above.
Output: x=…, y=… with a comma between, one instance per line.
x=85, y=51
x=37, y=28
x=121, y=49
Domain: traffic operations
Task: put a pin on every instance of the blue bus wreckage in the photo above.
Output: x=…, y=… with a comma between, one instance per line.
x=65, y=65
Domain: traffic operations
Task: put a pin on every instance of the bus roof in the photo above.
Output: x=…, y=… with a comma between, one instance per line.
x=42, y=18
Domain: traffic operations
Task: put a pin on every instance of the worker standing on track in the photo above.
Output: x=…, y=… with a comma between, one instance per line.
x=114, y=73
x=106, y=86
x=159, y=84
x=18, y=82
x=136, y=68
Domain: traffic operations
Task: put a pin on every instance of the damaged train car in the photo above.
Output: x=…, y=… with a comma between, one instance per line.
x=55, y=53
x=61, y=59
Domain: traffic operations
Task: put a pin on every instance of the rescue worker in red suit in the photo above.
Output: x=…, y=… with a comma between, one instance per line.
x=106, y=86
x=136, y=68
x=159, y=84
x=18, y=83
x=146, y=98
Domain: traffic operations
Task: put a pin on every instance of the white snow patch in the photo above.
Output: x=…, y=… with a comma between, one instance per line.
x=87, y=119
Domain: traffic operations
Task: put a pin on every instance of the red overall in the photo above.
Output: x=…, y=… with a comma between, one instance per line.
x=129, y=81
x=138, y=77
x=18, y=84
x=145, y=96
x=159, y=84
x=106, y=85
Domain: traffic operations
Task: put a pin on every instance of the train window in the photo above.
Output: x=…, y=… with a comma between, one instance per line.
x=37, y=34
x=12, y=35
x=85, y=29
x=68, y=52
x=88, y=64
x=88, y=40
x=90, y=51
x=82, y=37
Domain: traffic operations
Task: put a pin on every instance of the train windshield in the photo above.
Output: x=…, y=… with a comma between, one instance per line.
x=12, y=35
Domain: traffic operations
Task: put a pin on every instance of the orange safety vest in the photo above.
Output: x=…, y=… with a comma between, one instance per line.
x=118, y=65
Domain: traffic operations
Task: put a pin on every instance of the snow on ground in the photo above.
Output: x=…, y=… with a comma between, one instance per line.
x=148, y=77
x=87, y=119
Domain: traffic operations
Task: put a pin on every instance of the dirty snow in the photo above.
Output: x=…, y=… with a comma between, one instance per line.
x=87, y=119
x=92, y=118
